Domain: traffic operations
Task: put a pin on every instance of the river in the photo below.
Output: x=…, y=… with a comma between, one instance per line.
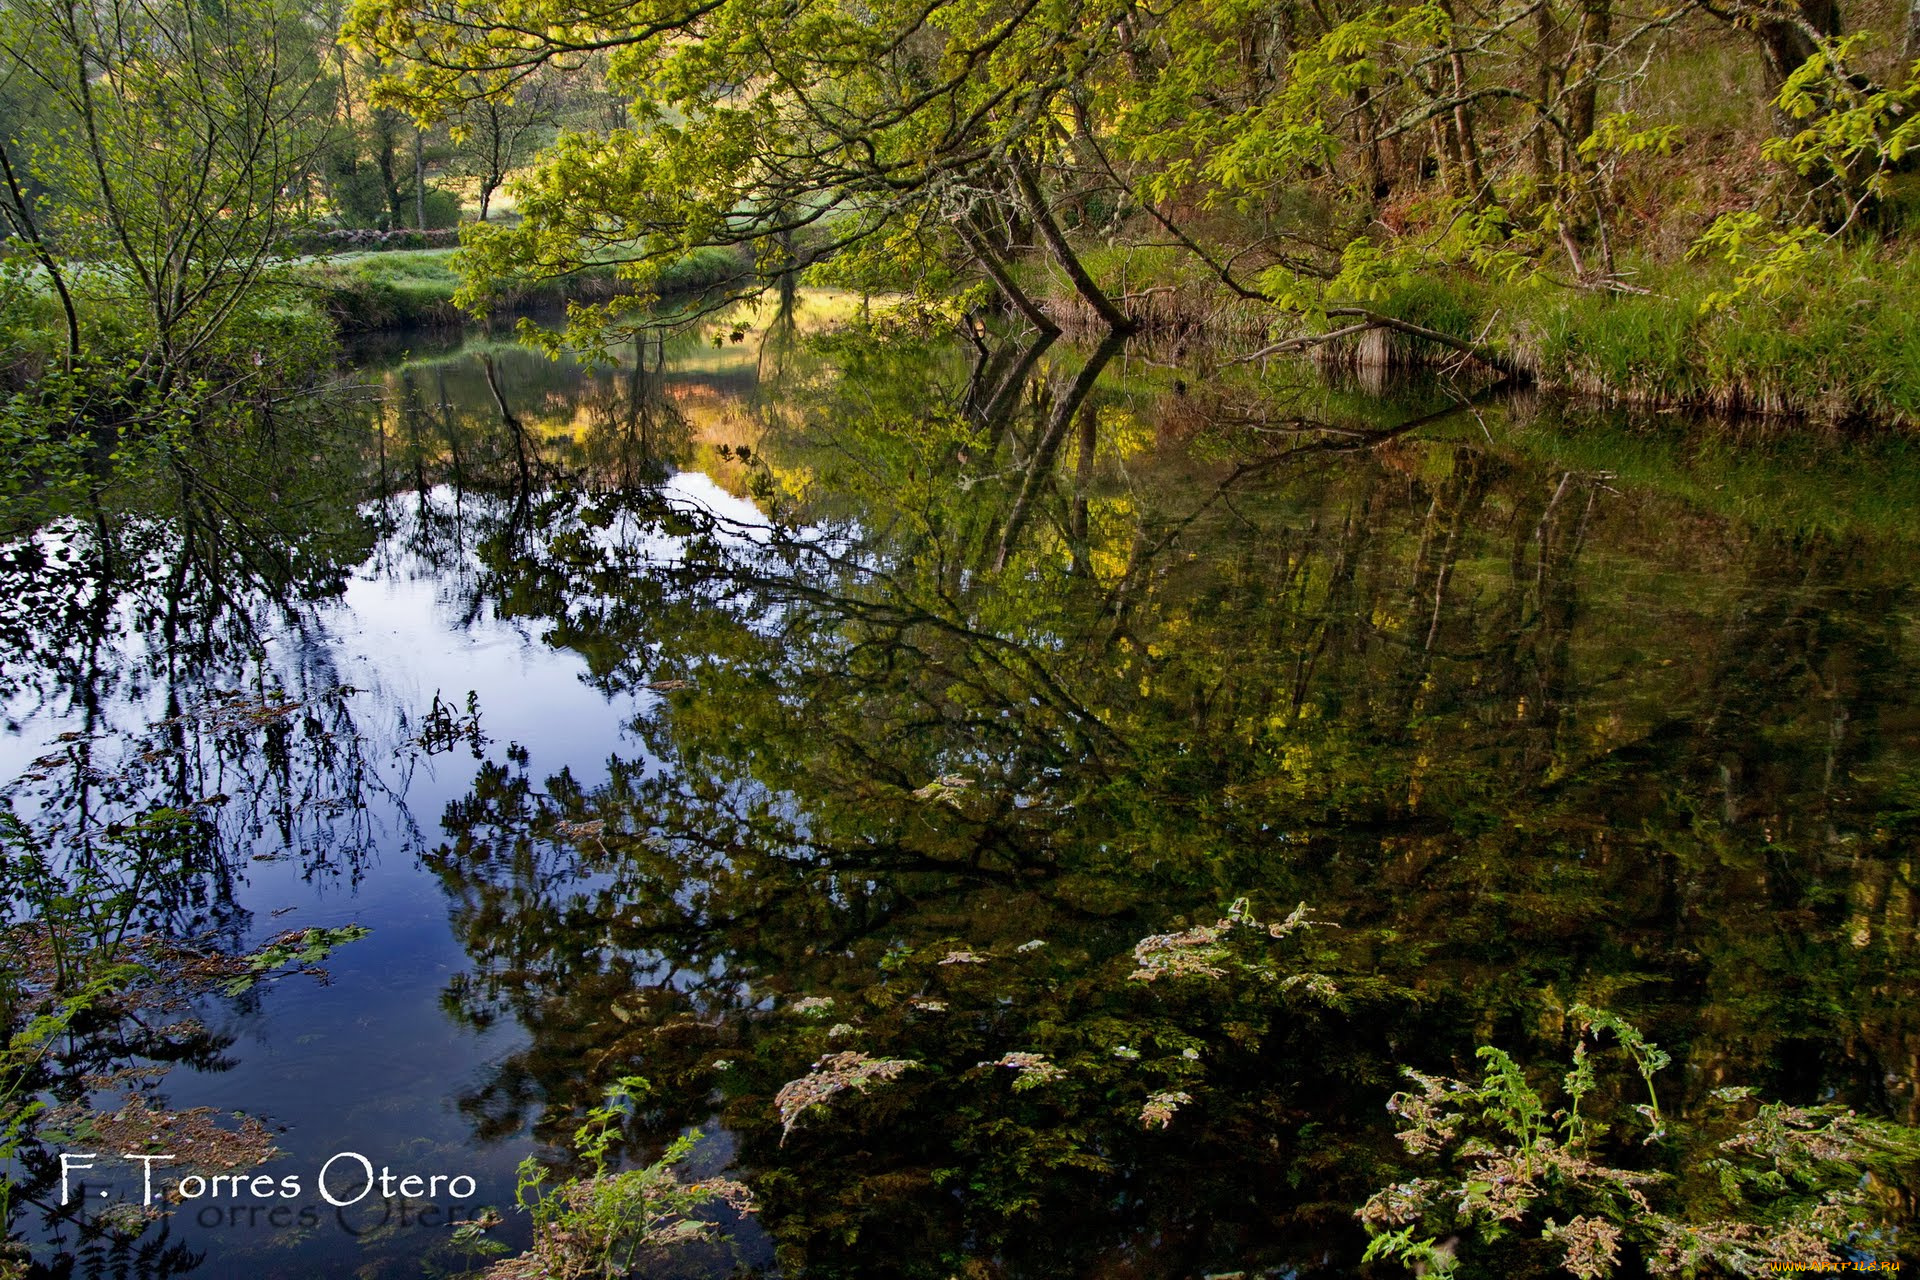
x=771, y=693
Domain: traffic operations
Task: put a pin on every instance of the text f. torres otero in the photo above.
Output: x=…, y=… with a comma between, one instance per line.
x=345, y=1179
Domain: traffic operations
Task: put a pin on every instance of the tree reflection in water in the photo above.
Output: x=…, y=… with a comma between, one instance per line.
x=1525, y=736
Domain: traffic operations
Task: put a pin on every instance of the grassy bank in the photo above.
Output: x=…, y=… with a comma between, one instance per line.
x=348, y=294
x=364, y=293
x=1842, y=346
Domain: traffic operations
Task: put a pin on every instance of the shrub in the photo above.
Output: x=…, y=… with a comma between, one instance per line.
x=1757, y=1186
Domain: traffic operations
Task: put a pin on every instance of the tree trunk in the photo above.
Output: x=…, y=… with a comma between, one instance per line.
x=1117, y=320
x=1596, y=26
x=1545, y=53
x=997, y=272
x=383, y=126
x=1373, y=172
x=1463, y=124
x=1786, y=45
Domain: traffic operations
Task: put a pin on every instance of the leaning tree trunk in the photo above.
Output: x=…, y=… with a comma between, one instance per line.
x=1083, y=284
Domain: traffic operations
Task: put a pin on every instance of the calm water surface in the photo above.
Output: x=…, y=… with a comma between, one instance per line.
x=637, y=705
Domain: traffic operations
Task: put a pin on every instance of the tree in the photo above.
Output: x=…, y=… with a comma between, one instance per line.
x=801, y=133
x=155, y=176
x=1313, y=159
x=493, y=135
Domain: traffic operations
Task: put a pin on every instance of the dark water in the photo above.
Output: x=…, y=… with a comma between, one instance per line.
x=622, y=691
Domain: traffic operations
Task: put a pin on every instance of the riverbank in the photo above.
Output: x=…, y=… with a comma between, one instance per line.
x=414, y=289
x=1841, y=347
x=315, y=301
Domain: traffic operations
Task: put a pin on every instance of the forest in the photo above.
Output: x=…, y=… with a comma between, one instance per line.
x=959, y=638
x=1688, y=204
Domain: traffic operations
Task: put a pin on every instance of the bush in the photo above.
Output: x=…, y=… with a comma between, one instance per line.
x=442, y=209
x=1528, y=1180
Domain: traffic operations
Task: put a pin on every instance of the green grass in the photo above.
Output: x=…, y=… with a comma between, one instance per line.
x=414, y=288
x=403, y=289
x=355, y=293
x=1843, y=345
x=428, y=266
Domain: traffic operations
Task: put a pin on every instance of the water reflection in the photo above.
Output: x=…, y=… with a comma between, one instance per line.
x=954, y=670
x=1525, y=736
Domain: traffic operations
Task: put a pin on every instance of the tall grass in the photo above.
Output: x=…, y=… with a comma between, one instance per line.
x=1843, y=345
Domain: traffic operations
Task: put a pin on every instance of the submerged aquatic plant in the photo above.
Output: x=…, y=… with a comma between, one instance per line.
x=1031, y=1069
x=832, y=1075
x=607, y=1222
x=1525, y=1179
